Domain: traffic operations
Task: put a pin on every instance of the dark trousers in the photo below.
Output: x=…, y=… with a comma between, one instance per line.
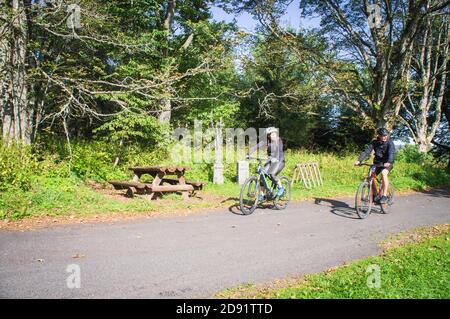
x=273, y=169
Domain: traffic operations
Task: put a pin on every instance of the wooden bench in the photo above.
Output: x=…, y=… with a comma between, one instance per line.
x=170, y=188
x=131, y=187
x=198, y=185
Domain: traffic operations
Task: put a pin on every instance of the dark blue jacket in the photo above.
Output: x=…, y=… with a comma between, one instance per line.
x=384, y=152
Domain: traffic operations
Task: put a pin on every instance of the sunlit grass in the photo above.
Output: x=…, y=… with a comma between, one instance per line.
x=51, y=194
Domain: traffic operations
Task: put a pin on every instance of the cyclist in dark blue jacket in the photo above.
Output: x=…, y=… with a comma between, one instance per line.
x=384, y=150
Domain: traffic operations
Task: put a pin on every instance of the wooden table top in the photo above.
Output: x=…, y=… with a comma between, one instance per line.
x=159, y=169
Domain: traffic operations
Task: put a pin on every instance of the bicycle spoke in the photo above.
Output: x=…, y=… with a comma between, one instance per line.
x=282, y=201
x=363, y=201
x=249, y=195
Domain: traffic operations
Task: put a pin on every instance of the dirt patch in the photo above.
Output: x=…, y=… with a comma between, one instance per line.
x=251, y=291
x=417, y=235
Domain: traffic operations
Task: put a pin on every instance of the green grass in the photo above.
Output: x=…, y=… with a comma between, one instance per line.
x=341, y=178
x=415, y=269
x=50, y=190
x=70, y=196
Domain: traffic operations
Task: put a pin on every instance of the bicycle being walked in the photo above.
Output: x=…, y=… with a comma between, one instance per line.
x=368, y=191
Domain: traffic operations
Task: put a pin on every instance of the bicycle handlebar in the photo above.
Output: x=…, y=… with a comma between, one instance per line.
x=365, y=164
x=260, y=159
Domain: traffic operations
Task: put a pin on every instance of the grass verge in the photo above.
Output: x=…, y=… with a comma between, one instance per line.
x=51, y=192
x=414, y=264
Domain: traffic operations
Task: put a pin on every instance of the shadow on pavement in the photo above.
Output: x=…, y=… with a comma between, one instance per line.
x=235, y=208
x=342, y=209
x=338, y=208
x=437, y=192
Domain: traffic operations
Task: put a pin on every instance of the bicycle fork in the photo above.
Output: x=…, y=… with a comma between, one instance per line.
x=266, y=185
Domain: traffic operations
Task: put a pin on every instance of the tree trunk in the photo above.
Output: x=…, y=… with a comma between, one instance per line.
x=166, y=113
x=16, y=115
x=5, y=53
x=423, y=107
x=423, y=146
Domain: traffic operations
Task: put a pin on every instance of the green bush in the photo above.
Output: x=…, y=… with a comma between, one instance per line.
x=14, y=204
x=411, y=154
x=91, y=160
x=134, y=128
x=17, y=166
x=43, y=180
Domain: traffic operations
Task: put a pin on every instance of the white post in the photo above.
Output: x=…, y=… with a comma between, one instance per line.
x=218, y=165
x=218, y=173
x=243, y=170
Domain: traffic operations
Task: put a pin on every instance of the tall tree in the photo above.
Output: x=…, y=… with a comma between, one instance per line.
x=378, y=37
x=15, y=111
x=422, y=109
x=120, y=57
x=286, y=91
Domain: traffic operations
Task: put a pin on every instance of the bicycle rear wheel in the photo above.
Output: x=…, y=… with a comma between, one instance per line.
x=363, y=200
x=281, y=202
x=248, y=199
x=386, y=208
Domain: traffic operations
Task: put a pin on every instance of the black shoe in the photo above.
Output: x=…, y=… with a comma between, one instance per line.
x=383, y=200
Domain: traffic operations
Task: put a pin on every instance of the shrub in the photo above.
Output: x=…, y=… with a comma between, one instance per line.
x=14, y=205
x=411, y=154
x=17, y=166
x=91, y=160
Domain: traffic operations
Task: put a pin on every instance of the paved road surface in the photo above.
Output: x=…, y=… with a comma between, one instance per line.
x=197, y=255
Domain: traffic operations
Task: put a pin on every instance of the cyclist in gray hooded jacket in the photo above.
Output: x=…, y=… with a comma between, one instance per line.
x=275, y=153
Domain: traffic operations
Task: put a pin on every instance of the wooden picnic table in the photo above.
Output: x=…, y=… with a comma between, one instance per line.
x=165, y=179
x=159, y=173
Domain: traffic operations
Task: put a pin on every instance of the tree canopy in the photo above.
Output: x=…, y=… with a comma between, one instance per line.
x=130, y=71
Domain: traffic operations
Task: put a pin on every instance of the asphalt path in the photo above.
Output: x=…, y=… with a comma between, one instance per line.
x=197, y=255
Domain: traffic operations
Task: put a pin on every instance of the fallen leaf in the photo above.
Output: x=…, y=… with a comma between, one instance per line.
x=77, y=256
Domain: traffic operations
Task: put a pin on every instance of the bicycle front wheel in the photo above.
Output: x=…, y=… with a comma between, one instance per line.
x=248, y=199
x=282, y=201
x=363, y=200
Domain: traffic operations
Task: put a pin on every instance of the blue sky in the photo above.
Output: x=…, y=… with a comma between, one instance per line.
x=291, y=18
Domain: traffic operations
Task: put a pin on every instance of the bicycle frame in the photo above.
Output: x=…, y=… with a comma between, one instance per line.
x=373, y=183
x=370, y=191
x=263, y=176
x=257, y=189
